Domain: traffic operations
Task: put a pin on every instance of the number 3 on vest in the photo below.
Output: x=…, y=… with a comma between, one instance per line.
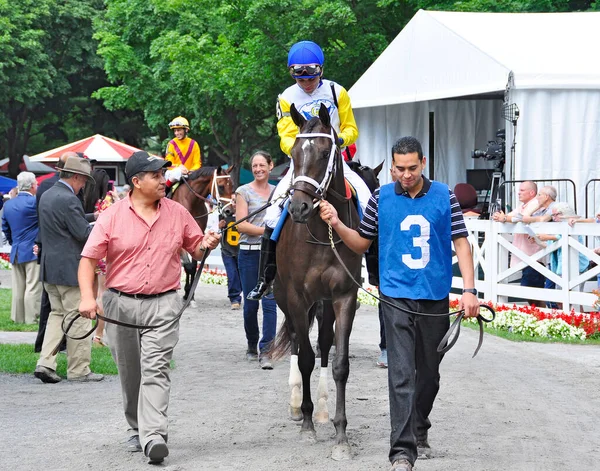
x=420, y=241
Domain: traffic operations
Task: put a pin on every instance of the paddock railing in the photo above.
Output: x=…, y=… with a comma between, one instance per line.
x=491, y=244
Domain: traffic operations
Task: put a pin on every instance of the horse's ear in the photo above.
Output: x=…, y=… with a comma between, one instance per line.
x=230, y=169
x=297, y=118
x=377, y=169
x=324, y=115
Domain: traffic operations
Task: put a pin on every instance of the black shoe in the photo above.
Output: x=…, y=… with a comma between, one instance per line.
x=423, y=449
x=46, y=375
x=156, y=451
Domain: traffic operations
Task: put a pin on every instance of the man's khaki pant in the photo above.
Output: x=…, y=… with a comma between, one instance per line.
x=143, y=358
x=64, y=301
x=26, y=292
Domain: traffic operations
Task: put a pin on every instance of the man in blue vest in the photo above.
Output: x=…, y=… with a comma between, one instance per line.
x=417, y=220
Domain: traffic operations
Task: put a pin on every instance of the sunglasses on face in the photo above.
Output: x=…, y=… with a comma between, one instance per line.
x=297, y=71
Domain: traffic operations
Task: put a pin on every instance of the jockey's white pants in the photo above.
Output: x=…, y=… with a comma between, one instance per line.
x=274, y=212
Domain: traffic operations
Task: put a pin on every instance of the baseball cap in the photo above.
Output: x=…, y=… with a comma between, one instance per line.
x=141, y=161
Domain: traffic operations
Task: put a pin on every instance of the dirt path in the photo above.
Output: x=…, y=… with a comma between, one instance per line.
x=516, y=406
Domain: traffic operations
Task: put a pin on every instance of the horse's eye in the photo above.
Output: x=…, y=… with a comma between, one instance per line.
x=325, y=154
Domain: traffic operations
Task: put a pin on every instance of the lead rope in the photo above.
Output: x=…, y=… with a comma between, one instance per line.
x=444, y=345
x=127, y=324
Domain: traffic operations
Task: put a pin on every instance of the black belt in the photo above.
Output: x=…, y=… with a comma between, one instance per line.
x=141, y=296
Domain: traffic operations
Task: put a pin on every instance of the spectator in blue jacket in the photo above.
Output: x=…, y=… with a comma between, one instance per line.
x=20, y=226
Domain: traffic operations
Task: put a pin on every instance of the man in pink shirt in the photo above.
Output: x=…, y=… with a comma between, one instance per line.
x=141, y=237
x=529, y=205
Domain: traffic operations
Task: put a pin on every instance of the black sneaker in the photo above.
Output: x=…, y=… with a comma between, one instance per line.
x=423, y=449
x=251, y=354
x=46, y=375
x=133, y=444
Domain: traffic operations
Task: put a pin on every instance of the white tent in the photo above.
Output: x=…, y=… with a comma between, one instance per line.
x=443, y=80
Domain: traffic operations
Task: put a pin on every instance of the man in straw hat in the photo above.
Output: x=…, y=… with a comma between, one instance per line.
x=62, y=235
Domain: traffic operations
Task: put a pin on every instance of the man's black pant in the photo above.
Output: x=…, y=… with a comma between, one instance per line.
x=44, y=313
x=413, y=370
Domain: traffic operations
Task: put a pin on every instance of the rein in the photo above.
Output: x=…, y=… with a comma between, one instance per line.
x=444, y=345
x=127, y=324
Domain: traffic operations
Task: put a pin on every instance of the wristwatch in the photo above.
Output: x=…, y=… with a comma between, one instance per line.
x=470, y=290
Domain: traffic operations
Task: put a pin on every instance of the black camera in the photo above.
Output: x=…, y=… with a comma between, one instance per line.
x=495, y=150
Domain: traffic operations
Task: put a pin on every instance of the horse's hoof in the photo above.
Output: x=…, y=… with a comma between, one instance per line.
x=308, y=436
x=341, y=452
x=296, y=414
x=322, y=417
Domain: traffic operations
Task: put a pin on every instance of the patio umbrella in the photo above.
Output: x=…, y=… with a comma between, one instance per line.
x=98, y=147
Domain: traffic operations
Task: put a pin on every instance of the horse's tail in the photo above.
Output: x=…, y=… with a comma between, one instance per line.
x=282, y=343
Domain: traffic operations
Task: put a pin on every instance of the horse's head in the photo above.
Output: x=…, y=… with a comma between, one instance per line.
x=206, y=185
x=224, y=191
x=314, y=155
x=368, y=174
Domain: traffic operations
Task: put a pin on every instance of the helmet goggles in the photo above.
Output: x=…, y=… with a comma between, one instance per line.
x=305, y=71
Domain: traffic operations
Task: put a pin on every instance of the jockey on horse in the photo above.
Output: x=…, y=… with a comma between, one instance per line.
x=305, y=64
x=182, y=151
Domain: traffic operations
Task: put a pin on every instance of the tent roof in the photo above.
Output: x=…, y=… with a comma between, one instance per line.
x=450, y=54
x=98, y=147
x=7, y=184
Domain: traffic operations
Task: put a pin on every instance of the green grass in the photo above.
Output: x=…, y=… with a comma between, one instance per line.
x=514, y=337
x=6, y=323
x=20, y=358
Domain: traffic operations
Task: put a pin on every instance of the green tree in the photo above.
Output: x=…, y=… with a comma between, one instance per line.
x=48, y=71
x=222, y=64
x=22, y=58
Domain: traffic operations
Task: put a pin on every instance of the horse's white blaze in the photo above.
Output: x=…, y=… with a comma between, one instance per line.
x=295, y=382
x=322, y=414
x=307, y=143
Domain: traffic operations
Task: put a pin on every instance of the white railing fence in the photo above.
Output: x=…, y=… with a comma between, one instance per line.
x=491, y=244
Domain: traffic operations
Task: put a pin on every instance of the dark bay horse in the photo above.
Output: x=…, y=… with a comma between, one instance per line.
x=193, y=194
x=312, y=274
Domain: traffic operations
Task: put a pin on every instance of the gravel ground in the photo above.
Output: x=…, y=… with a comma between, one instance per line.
x=518, y=406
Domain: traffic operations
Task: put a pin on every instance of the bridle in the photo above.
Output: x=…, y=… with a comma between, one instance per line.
x=321, y=188
x=214, y=197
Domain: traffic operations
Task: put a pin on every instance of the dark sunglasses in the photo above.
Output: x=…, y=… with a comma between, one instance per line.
x=298, y=71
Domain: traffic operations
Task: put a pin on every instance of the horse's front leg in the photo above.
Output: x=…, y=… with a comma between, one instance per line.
x=344, y=308
x=295, y=381
x=325, y=342
x=306, y=363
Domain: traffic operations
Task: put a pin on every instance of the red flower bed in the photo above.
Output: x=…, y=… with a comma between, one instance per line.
x=5, y=256
x=590, y=323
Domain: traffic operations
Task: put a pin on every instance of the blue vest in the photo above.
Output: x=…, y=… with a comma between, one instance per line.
x=415, y=244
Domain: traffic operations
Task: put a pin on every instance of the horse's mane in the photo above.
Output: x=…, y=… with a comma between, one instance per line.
x=202, y=172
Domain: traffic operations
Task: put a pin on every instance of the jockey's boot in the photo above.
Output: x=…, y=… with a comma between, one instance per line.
x=267, y=266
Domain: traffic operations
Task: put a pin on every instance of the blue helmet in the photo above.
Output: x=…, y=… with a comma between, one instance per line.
x=305, y=52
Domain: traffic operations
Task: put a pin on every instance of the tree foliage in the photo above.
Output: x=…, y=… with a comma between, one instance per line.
x=222, y=63
x=219, y=63
x=48, y=71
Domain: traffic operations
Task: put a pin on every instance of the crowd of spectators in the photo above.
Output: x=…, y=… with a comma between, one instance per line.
x=534, y=206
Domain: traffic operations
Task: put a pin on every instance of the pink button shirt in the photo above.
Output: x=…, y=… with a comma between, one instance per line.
x=142, y=258
x=522, y=241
